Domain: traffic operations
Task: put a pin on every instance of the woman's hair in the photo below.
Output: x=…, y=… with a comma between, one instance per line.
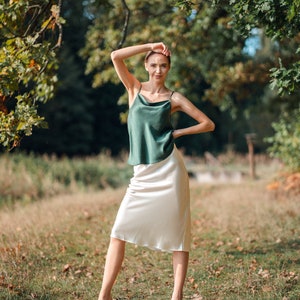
x=153, y=52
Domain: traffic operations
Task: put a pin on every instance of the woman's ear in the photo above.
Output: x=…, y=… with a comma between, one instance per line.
x=146, y=67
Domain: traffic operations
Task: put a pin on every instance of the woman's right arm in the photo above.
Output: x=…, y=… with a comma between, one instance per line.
x=118, y=57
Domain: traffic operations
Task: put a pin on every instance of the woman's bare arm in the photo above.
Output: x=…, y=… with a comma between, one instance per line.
x=205, y=124
x=118, y=57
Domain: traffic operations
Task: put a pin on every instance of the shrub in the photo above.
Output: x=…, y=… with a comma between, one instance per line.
x=286, y=140
x=30, y=177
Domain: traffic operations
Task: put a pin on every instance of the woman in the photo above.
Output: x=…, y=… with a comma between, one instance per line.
x=155, y=211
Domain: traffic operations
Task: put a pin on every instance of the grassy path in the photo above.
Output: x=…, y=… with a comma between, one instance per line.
x=246, y=245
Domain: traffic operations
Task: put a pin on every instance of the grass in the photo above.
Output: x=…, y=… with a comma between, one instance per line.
x=28, y=178
x=246, y=245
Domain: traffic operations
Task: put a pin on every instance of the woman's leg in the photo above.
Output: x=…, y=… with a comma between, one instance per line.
x=180, y=266
x=114, y=259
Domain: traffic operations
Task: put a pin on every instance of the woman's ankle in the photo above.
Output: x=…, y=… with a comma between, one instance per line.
x=177, y=296
x=104, y=296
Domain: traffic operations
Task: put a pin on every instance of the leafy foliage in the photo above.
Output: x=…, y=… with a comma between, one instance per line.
x=195, y=41
x=280, y=20
x=286, y=140
x=81, y=120
x=277, y=62
x=286, y=79
x=209, y=65
x=30, y=33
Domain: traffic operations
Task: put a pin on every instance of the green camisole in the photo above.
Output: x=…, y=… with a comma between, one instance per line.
x=150, y=131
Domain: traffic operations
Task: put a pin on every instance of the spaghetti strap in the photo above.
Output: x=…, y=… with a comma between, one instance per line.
x=140, y=88
x=171, y=95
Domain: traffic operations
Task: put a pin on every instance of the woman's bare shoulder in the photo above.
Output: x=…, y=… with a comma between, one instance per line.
x=180, y=103
x=178, y=98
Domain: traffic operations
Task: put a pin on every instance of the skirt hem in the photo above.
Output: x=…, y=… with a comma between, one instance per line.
x=155, y=248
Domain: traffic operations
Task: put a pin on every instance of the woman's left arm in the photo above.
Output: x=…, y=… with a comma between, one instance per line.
x=181, y=103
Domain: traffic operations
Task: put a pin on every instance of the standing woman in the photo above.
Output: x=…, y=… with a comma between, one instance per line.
x=155, y=211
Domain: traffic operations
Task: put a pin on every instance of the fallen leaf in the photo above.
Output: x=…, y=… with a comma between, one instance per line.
x=66, y=268
x=219, y=243
x=264, y=273
x=267, y=288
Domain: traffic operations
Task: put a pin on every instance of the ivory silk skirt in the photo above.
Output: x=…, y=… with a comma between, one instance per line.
x=155, y=211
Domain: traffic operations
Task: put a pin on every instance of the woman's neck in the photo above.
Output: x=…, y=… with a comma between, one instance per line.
x=155, y=89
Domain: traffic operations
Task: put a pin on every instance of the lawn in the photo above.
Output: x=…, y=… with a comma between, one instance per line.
x=245, y=245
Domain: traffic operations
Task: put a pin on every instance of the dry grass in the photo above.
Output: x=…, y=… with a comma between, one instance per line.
x=51, y=214
x=246, y=245
x=248, y=211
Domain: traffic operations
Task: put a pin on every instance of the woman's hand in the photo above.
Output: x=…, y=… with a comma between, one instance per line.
x=161, y=48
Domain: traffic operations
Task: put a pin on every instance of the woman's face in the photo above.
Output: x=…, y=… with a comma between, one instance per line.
x=158, y=67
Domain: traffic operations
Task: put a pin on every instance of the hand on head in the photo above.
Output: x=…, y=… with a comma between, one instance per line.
x=161, y=48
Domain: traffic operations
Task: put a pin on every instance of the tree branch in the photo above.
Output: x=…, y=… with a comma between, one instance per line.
x=58, y=23
x=37, y=12
x=126, y=23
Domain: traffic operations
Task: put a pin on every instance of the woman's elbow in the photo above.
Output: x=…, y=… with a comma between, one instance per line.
x=211, y=126
x=116, y=56
x=113, y=55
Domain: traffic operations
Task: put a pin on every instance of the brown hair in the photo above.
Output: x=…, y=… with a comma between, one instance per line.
x=153, y=52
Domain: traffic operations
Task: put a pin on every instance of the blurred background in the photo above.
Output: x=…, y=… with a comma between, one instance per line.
x=221, y=69
x=237, y=61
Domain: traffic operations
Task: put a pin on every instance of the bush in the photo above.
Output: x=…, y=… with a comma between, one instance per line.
x=30, y=177
x=286, y=140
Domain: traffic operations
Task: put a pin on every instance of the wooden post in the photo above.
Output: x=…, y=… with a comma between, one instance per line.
x=250, y=137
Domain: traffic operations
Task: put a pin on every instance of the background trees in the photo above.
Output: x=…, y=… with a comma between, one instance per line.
x=210, y=63
x=223, y=52
x=80, y=118
x=280, y=21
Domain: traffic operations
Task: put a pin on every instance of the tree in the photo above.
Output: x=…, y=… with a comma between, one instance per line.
x=210, y=64
x=82, y=120
x=194, y=49
x=286, y=140
x=31, y=31
x=68, y=114
x=280, y=22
